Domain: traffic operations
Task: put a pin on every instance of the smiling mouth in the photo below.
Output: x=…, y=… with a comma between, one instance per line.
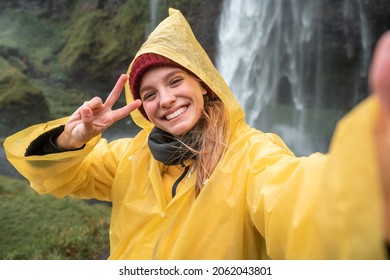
x=177, y=113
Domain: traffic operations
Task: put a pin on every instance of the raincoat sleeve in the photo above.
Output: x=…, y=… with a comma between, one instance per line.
x=321, y=206
x=86, y=173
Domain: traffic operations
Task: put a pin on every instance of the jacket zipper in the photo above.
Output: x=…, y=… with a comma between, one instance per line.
x=174, y=187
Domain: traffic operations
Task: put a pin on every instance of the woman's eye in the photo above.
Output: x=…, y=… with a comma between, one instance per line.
x=148, y=96
x=175, y=82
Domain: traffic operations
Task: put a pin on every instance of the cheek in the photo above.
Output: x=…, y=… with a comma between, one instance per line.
x=201, y=102
x=149, y=109
x=198, y=110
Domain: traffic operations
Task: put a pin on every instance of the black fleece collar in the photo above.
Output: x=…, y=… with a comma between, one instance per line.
x=168, y=149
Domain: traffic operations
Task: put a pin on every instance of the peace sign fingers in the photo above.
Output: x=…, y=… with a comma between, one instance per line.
x=125, y=110
x=116, y=91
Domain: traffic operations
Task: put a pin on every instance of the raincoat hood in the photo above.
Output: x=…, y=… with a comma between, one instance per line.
x=174, y=39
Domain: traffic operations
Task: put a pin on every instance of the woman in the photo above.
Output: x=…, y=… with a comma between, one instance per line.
x=197, y=182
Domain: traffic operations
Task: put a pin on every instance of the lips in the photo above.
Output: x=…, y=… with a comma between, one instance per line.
x=177, y=113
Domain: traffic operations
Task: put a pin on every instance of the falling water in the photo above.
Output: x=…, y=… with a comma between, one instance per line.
x=351, y=10
x=272, y=54
x=157, y=10
x=153, y=4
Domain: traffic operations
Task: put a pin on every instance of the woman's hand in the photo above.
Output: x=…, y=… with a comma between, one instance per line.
x=380, y=85
x=93, y=117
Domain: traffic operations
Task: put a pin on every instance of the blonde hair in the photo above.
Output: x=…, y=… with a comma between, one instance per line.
x=213, y=141
x=209, y=137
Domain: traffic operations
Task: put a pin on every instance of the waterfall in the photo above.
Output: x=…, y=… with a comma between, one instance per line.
x=153, y=4
x=157, y=12
x=275, y=56
x=353, y=9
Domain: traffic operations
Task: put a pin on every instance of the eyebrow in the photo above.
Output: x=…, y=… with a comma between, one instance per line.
x=166, y=77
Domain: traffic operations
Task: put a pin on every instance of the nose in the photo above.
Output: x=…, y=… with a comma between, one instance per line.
x=167, y=99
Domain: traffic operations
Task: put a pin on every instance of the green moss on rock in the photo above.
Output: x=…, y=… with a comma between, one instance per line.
x=14, y=85
x=21, y=103
x=38, y=40
x=99, y=42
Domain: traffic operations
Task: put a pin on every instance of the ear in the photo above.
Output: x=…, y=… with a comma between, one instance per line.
x=203, y=89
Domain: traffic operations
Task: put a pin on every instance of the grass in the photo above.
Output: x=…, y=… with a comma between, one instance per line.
x=41, y=227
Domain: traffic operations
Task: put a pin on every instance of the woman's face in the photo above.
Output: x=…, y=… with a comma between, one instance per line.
x=172, y=99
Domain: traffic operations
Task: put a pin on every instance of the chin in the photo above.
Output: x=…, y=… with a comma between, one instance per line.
x=179, y=131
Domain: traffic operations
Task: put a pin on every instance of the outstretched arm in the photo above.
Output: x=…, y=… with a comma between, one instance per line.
x=380, y=84
x=93, y=117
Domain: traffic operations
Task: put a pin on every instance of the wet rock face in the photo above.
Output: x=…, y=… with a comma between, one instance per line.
x=203, y=17
x=350, y=31
x=21, y=103
x=16, y=115
x=101, y=43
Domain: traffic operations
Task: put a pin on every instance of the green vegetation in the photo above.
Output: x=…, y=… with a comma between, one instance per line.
x=98, y=41
x=43, y=227
x=62, y=101
x=35, y=39
x=14, y=85
x=18, y=100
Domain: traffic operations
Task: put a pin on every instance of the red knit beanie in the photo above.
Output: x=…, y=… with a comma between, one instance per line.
x=141, y=65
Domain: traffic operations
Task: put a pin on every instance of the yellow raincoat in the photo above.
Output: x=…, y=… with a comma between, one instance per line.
x=260, y=202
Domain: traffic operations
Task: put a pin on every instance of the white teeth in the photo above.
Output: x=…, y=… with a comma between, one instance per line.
x=176, y=113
